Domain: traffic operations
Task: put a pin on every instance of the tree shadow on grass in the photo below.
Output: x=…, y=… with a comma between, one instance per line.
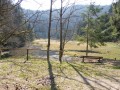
x=84, y=79
x=101, y=83
x=114, y=62
x=52, y=80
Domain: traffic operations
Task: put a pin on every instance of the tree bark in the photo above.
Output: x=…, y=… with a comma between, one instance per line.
x=61, y=44
x=87, y=35
x=49, y=29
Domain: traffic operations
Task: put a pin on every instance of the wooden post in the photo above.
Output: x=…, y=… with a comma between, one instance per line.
x=27, y=54
x=83, y=59
x=99, y=60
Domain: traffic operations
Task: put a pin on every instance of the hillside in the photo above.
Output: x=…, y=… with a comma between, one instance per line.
x=40, y=19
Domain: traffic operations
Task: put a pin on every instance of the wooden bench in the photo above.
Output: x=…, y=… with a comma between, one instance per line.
x=92, y=57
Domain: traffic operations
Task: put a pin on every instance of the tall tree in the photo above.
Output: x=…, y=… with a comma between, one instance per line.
x=91, y=31
x=61, y=30
x=66, y=20
x=115, y=19
x=49, y=29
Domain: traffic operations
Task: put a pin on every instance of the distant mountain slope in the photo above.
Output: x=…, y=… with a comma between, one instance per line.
x=39, y=19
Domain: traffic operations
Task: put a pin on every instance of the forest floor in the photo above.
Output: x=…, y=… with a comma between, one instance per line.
x=72, y=74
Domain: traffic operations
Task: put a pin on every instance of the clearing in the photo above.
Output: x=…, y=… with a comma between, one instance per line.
x=40, y=74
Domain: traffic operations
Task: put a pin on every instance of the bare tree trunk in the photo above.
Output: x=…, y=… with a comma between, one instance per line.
x=87, y=45
x=65, y=35
x=49, y=29
x=63, y=32
x=61, y=44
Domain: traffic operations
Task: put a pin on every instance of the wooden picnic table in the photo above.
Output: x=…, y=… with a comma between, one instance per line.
x=98, y=58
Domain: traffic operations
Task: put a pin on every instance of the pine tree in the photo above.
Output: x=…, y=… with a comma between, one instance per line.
x=92, y=28
x=115, y=20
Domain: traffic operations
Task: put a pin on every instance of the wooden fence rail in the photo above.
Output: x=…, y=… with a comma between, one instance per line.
x=24, y=51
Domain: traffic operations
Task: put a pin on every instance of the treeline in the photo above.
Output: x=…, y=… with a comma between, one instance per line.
x=72, y=12
x=14, y=27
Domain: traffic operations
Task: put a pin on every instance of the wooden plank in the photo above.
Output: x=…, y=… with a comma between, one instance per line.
x=92, y=57
x=99, y=58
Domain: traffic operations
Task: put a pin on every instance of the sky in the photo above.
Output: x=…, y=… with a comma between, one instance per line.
x=45, y=4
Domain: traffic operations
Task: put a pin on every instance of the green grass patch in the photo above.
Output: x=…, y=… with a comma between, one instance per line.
x=116, y=67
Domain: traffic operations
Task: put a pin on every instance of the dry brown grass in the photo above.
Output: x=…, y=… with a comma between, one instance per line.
x=111, y=50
